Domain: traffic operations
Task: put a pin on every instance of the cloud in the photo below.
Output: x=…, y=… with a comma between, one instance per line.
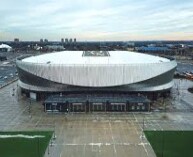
x=96, y=19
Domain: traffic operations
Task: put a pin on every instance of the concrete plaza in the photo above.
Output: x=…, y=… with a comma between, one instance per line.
x=87, y=135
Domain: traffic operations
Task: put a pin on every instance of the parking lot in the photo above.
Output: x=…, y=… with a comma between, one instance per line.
x=8, y=71
x=7, y=74
x=93, y=134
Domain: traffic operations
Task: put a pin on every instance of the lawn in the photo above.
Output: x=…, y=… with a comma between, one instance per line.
x=24, y=144
x=171, y=143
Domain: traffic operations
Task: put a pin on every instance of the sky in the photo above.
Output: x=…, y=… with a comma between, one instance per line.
x=91, y=20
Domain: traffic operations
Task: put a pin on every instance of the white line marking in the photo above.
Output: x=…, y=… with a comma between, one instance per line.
x=22, y=136
x=103, y=144
x=143, y=144
x=113, y=139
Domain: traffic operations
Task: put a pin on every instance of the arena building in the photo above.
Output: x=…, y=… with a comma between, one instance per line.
x=97, y=72
x=5, y=48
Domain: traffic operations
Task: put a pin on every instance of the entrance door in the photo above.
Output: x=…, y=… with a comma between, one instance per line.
x=78, y=107
x=98, y=107
x=54, y=107
x=118, y=107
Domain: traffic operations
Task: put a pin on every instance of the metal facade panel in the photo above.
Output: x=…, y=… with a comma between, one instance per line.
x=97, y=75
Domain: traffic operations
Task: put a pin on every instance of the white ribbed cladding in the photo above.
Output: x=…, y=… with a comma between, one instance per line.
x=77, y=58
x=91, y=75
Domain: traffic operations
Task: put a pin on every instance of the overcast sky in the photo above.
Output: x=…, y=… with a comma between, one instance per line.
x=96, y=19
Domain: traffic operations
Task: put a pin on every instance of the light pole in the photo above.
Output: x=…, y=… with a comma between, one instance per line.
x=143, y=126
x=53, y=118
x=17, y=92
x=13, y=94
x=29, y=107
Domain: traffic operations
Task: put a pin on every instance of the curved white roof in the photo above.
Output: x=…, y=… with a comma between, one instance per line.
x=5, y=46
x=96, y=69
x=76, y=57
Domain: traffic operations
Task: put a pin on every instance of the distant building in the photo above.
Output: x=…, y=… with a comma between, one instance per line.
x=62, y=40
x=46, y=40
x=54, y=47
x=190, y=46
x=66, y=41
x=41, y=40
x=5, y=48
x=36, y=47
x=16, y=40
x=151, y=45
x=70, y=41
x=130, y=44
x=74, y=40
x=152, y=49
x=170, y=45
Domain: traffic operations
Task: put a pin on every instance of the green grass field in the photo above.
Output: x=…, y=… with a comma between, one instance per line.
x=171, y=143
x=28, y=146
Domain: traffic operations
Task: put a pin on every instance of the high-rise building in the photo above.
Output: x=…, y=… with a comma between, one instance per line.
x=46, y=40
x=16, y=40
x=41, y=40
x=62, y=40
x=66, y=41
